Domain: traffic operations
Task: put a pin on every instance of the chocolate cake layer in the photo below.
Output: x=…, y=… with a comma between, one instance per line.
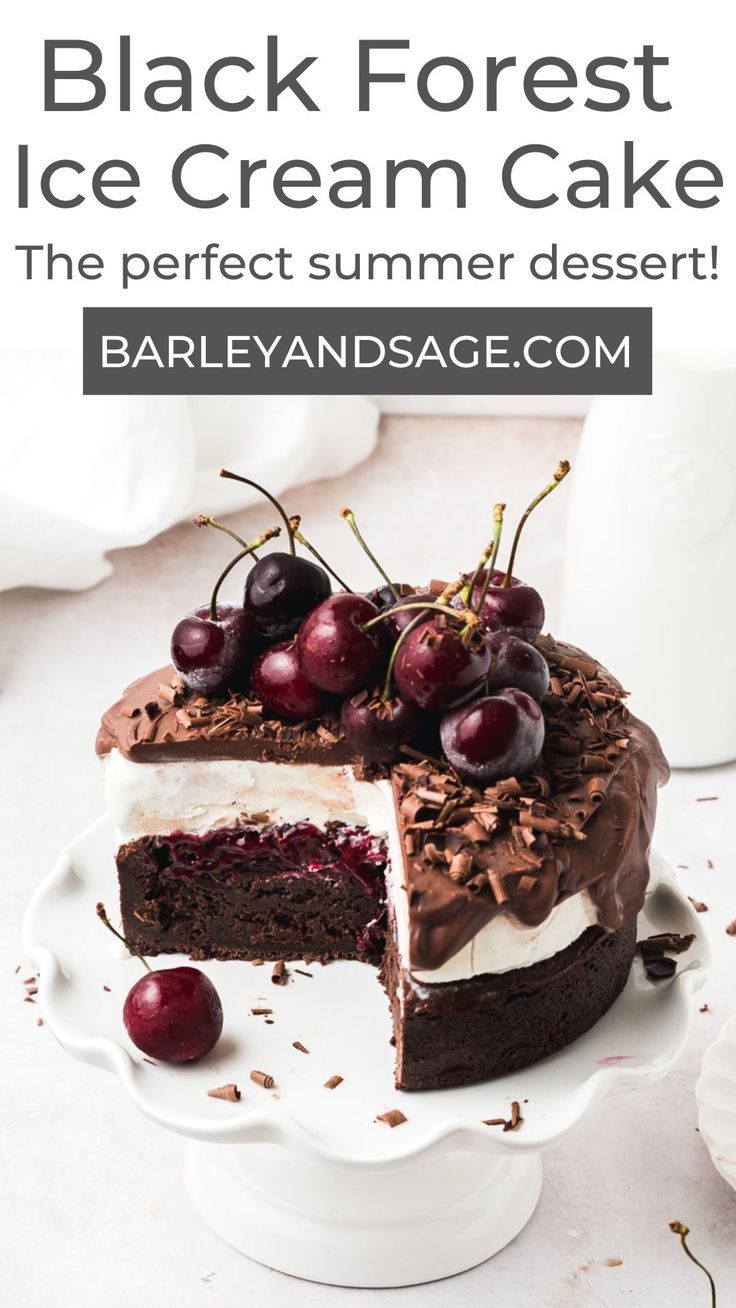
x=457, y=1033
x=256, y=893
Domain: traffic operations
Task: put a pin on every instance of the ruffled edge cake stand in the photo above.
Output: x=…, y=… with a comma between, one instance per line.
x=304, y=1178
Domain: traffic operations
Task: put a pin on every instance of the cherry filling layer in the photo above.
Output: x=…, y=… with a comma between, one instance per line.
x=227, y=863
x=291, y=850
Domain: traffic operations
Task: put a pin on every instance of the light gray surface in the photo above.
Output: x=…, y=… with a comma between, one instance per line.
x=93, y=1207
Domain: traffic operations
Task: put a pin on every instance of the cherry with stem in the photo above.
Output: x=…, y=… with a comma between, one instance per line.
x=349, y=517
x=173, y=1014
x=453, y=588
x=256, y=544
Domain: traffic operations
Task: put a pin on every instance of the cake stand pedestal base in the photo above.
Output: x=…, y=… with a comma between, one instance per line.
x=403, y=1223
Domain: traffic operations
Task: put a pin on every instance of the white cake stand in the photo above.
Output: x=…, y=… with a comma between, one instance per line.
x=304, y=1178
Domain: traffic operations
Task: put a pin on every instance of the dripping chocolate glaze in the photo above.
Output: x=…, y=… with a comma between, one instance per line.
x=582, y=820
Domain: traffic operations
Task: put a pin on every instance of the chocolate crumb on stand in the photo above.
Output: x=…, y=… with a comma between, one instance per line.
x=229, y=1092
x=394, y=1117
x=263, y=1079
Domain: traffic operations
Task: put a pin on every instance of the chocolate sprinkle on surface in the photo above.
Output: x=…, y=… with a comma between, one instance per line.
x=515, y=1119
x=698, y=905
x=263, y=1078
x=229, y=1092
x=394, y=1117
x=333, y=1083
x=261, y=1012
x=298, y=1045
x=279, y=976
x=731, y=928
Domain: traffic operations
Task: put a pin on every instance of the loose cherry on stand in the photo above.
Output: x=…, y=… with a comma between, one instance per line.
x=335, y=652
x=281, y=588
x=173, y=1014
x=280, y=684
x=497, y=736
x=209, y=645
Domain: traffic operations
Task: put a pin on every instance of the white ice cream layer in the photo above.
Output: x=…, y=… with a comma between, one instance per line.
x=155, y=799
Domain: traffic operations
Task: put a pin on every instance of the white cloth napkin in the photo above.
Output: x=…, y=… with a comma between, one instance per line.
x=81, y=475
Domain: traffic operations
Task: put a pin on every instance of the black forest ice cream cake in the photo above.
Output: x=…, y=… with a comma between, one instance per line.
x=415, y=779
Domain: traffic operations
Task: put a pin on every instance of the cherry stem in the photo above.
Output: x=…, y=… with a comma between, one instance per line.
x=102, y=915
x=349, y=517
x=434, y=607
x=485, y=556
x=680, y=1229
x=235, y=476
x=498, y=511
x=559, y=475
x=249, y=549
x=295, y=524
x=202, y=520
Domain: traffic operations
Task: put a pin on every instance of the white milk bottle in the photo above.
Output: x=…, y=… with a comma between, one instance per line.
x=649, y=578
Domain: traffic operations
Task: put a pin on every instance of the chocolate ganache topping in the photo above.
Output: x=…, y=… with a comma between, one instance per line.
x=582, y=819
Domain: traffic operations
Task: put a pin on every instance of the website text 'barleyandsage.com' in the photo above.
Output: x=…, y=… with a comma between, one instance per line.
x=377, y=350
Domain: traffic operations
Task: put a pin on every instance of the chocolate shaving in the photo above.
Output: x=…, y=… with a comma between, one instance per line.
x=229, y=1092
x=515, y=1119
x=279, y=976
x=298, y=1045
x=660, y=969
x=698, y=905
x=394, y=1117
x=731, y=928
x=653, y=951
x=263, y=1078
x=333, y=1082
x=261, y=1012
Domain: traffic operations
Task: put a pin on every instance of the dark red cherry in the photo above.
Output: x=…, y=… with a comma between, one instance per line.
x=516, y=663
x=334, y=652
x=280, y=590
x=435, y=668
x=395, y=622
x=516, y=608
x=497, y=736
x=208, y=654
x=377, y=728
x=174, y=1014
x=279, y=682
x=383, y=596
